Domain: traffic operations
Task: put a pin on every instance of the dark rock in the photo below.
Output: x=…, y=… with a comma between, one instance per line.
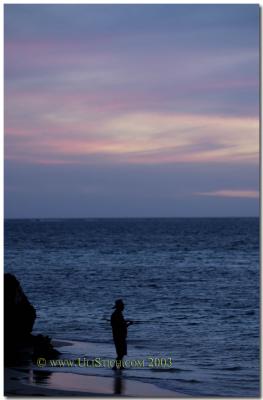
x=19, y=317
x=19, y=314
x=44, y=348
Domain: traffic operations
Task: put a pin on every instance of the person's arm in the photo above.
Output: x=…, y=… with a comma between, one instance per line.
x=128, y=322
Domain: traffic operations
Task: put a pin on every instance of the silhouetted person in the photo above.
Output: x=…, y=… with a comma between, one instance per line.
x=119, y=331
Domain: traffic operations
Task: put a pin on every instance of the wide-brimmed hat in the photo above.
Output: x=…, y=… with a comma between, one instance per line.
x=118, y=303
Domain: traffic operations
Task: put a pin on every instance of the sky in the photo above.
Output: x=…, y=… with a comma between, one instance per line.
x=131, y=110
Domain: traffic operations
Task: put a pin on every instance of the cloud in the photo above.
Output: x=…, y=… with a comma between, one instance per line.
x=143, y=137
x=201, y=59
x=250, y=194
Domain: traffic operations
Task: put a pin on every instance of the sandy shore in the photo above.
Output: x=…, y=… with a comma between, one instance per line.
x=31, y=382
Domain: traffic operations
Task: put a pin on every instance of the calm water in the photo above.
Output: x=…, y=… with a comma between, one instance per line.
x=194, y=283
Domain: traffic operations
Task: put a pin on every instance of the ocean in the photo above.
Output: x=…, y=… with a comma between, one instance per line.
x=193, y=283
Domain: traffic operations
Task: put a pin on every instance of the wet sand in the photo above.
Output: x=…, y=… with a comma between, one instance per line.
x=31, y=382
x=28, y=380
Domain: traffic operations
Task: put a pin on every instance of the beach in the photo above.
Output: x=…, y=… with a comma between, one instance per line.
x=31, y=382
x=31, y=379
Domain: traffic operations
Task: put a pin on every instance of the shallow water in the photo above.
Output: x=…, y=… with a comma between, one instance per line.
x=193, y=284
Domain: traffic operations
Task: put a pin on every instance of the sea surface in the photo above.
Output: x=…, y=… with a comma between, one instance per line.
x=192, y=283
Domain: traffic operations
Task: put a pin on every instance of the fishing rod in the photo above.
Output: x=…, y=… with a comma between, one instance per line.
x=143, y=322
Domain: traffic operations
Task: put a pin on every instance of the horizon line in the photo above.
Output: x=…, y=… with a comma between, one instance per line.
x=159, y=217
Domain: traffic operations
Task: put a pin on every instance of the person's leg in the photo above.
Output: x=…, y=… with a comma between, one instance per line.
x=118, y=362
x=115, y=365
x=121, y=350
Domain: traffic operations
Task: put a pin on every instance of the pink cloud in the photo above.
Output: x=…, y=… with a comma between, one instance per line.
x=144, y=137
x=253, y=194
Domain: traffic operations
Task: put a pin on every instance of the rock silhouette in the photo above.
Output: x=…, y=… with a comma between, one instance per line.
x=19, y=314
x=19, y=317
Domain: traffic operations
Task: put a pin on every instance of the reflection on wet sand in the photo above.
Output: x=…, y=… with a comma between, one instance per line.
x=39, y=377
x=118, y=387
x=118, y=384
